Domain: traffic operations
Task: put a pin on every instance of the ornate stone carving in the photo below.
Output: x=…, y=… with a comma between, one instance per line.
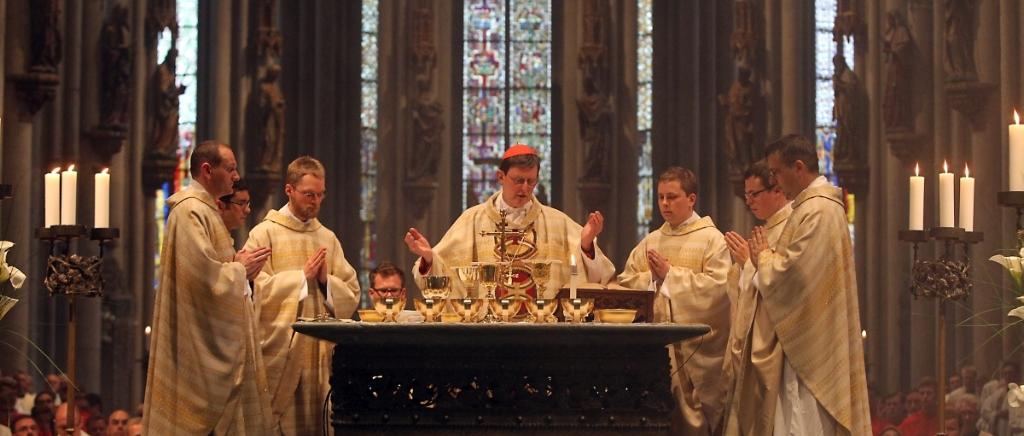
x=115, y=84
x=898, y=48
x=745, y=39
x=271, y=126
x=37, y=86
x=969, y=98
x=593, y=107
x=160, y=15
x=961, y=29
x=742, y=135
x=905, y=145
x=265, y=148
x=850, y=24
x=422, y=160
x=848, y=112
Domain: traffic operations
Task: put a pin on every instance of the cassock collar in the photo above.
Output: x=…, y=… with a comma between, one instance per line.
x=194, y=190
x=286, y=218
x=522, y=216
x=780, y=216
x=692, y=224
x=820, y=187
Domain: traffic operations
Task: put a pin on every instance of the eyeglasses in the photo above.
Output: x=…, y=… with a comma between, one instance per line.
x=310, y=195
x=386, y=290
x=753, y=195
x=524, y=181
x=242, y=204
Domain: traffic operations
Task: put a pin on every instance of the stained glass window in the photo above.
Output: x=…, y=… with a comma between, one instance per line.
x=825, y=48
x=186, y=66
x=368, y=152
x=644, y=79
x=506, y=80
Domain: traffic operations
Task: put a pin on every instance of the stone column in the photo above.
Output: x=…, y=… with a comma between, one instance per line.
x=217, y=88
x=795, y=97
x=135, y=198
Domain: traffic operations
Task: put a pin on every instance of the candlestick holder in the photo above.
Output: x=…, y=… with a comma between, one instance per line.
x=944, y=278
x=1015, y=200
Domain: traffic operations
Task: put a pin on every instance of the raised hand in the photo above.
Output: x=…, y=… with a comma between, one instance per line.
x=419, y=245
x=738, y=247
x=253, y=261
x=594, y=226
x=658, y=264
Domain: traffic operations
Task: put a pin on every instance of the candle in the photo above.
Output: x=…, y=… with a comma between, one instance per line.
x=917, y=199
x=1016, y=165
x=101, y=217
x=574, y=274
x=68, y=196
x=51, y=184
x=967, y=200
x=946, y=197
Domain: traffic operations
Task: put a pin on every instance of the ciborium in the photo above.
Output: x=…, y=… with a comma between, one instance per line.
x=505, y=308
x=437, y=287
x=575, y=310
x=469, y=308
x=542, y=310
x=430, y=308
x=389, y=307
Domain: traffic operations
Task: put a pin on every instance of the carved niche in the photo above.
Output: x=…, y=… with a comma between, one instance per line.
x=897, y=99
x=594, y=106
x=743, y=126
x=966, y=93
x=38, y=85
x=423, y=158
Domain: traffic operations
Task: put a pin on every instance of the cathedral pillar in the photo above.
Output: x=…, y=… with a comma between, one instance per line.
x=134, y=196
x=796, y=45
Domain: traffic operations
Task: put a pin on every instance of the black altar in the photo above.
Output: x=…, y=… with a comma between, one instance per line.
x=475, y=379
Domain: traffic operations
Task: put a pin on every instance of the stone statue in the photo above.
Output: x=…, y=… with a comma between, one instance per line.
x=428, y=124
x=116, y=69
x=848, y=111
x=271, y=125
x=165, y=90
x=47, y=43
x=898, y=50
x=739, y=117
x=959, y=35
x=595, y=120
x=743, y=40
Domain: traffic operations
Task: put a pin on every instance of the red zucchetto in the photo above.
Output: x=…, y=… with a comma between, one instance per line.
x=518, y=150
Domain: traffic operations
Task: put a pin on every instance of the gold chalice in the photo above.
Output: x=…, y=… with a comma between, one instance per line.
x=430, y=308
x=542, y=310
x=468, y=276
x=575, y=310
x=505, y=308
x=540, y=270
x=468, y=308
x=489, y=274
x=389, y=307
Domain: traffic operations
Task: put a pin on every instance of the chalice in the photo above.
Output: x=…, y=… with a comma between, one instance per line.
x=468, y=276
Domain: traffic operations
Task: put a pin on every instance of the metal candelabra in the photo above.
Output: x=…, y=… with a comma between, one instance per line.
x=73, y=275
x=945, y=278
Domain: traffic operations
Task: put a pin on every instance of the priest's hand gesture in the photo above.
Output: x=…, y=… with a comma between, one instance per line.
x=594, y=226
x=315, y=269
x=658, y=264
x=419, y=245
x=253, y=261
x=758, y=243
x=738, y=248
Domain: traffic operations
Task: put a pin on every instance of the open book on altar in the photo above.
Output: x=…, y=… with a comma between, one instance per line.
x=613, y=296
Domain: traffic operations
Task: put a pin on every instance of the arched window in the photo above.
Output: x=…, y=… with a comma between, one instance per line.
x=186, y=66
x=506, y=88
x=368, y=152
x=644, y=79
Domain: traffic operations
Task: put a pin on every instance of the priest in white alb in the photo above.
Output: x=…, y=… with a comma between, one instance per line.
x=306, y=276
x=754, y=358
x=687, y=262
x=808, y=289
x=547, y=234
x=205, y=370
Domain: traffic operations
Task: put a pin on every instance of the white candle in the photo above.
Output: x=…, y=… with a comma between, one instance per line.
x=967, y=200
x=917, y=199
x=68, y=196
x=51, y=184
x=946, y=197
x=573, y=274
x=1016, y=164
x=101, y=216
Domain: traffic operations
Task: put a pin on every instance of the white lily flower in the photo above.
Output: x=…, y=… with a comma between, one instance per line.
x=1015, y=395
x=1013, y=265
x=8, y=272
